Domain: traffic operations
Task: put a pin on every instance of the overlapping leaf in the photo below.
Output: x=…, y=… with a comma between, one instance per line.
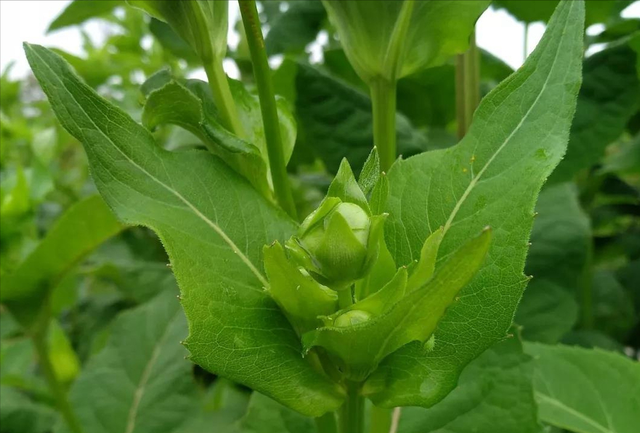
x=79, y=231
x=492, y=177
x=586, y=391
x=213, y=225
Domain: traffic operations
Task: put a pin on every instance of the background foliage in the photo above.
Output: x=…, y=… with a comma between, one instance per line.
x=117, y=322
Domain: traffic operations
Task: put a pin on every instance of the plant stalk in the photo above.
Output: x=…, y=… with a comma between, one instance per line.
x=381, y=419
x=56, y=388
x=351, y=414
x=262, y=74
x=383, y=98
x=223, y=98
x=345, y=298
x=327, y=423
x=467, y=86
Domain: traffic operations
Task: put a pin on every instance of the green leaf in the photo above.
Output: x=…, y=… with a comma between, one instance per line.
x=213, y=225
x=190, y=106
x=492, y=177
x=586, y=391
x=360, y=347
x=291, y=31
x=345, y=187
x=267, y=416
x=80, y=11
x=370, y=173
x=203, y=24
x=547, y=311
x=427, y=263
x=609, y=97
x=560, y=239
x=336, y=121
x=299, y=296
x=626, y=160
x=613, y=307
x=81, y=229
x=19, y=414
x=170, y=40
x=494, y=395
x=141, y=378
x=392, y=39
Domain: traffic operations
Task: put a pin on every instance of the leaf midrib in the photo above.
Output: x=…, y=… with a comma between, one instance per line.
x=550, y=400
x=194, y=209
x=476, y=178
x=146, y=375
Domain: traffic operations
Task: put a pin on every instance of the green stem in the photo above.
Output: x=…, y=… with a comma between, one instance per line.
x=345, y=298
x=351, y=414
x=222, y=97
x=57, y=389
x=383, y=98
x=467, y=86
x=381, y=419
x=327, y=423
x=262, y=74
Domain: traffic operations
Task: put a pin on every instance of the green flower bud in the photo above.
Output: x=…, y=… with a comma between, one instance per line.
x=351, y=318
x=338, y=243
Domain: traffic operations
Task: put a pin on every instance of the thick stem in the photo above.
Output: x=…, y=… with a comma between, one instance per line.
x=57, y=389
x=383, y=98
x=262, y=75
x=223, y=98
x=467, y=86
x=327, y=423
x=351, y=414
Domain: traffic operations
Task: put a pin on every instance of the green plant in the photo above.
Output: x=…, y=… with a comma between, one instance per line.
x=396, y=284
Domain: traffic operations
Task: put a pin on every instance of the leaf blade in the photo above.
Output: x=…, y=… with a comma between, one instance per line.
x=213, y=225
x=475, y=184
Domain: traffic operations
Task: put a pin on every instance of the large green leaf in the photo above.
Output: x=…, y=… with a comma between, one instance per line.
x=20, y=414
x=560, y=244
x=141, y=378
x=213, y=225
x=391, y=39
x=335, y=120
x=609, y=96
x=492, y=177
x=547, y=311
x=80, y=11
x=494, y=395
x=586, y=391
x=81, y=229
x=561, y=237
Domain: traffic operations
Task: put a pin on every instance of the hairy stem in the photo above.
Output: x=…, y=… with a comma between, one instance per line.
x=223, y=98
x=467, y=86
x=351, y=414
x=56, y=388
x=262, y=75
x=383, y=98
